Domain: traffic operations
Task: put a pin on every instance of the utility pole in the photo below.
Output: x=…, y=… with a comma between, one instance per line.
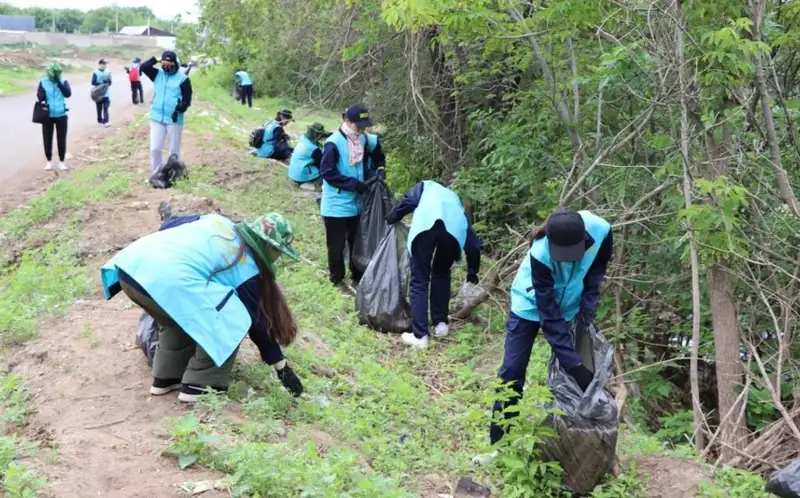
x=54, y=20
x=117, y=20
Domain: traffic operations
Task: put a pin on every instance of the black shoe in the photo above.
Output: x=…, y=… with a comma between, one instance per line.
x=161, y=387
x=189, y=393
x=165, y=210
x=290, y=381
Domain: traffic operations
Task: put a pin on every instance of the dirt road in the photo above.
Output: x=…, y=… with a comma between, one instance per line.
x=21, y=155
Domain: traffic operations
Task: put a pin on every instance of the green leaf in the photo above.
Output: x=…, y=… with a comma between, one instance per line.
x=187, y=460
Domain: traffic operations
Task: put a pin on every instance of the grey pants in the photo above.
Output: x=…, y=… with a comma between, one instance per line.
x=177, y=355
x=159, y=133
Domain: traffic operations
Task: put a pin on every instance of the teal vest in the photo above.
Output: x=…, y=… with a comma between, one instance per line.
x=439, y=203
x=244, y=78
x=567, y=277
x=268, y=147
x=337, y=203
x=102, y=77
x=166, y=96
x=300, y=165
x=56, y=102
x=173, y=266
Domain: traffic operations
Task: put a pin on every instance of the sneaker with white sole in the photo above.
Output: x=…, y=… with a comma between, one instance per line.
x=410, y=339
x=189, y=393
x=48, y=166
x=486, y=458
x=62, y=166
x=442, y=330
x=161, y=387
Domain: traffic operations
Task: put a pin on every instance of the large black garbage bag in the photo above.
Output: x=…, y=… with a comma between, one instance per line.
x=147, y=337
x=587, y=431
x=372, y=227
x=381, y=297
x=98, y=93
x=168, y=174
x=785, y=483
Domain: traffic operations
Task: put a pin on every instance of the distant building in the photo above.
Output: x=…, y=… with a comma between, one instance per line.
x=17, y=23
x=144, y=31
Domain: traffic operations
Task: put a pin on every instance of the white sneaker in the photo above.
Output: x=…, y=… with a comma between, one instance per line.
x=48, y=166
x=413, y=341
x=486, y=458
x=62, y=166
x=442, y=330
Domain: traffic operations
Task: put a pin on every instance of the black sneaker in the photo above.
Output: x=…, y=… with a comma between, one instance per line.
x=161, y=387
x=189, y=393
x=290, y=381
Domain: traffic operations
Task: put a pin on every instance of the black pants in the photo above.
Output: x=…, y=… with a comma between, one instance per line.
x=338, y=232
x=102, y=110
x=137, y=92
x=282, y=151
x=60, y=126
x=246, y=95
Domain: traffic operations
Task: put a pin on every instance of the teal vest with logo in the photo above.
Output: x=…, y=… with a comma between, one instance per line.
x=337, y=203
x=268, y=147
x=102, y=77
x=567, y=277
x=166, y=96
x=56, y=102
x=301, y=165
x=439, y=203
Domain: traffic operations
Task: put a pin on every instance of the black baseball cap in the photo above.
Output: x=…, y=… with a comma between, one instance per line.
x=286, y=113
x=566, y=236
x=358, y=114
x=102, y=61
x=169, y=56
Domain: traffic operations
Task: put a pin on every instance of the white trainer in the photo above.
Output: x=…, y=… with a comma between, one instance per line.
x=62, y=166
x=48, y=166
x=442, y=330
x=410, y=339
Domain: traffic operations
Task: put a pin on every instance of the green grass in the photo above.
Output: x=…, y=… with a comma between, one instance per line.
x=16, y=79
x=16, y=479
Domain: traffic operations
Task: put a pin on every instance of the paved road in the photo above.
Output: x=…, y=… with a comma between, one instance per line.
x=21, y=153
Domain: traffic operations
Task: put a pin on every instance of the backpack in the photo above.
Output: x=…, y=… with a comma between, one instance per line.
x=257, y=137
x=133, y=73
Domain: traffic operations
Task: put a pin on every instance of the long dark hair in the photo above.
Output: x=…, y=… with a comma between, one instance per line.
x=281, y=326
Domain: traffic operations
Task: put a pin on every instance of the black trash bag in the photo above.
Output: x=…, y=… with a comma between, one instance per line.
x=98, y=93
x=586, y=440
x=381, y=297
x=147, y=337
x=372, y=227
x=168, y=174
x=785, y=483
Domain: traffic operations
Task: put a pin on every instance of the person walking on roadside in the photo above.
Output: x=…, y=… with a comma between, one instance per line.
x=53, y=92
x=350, y=157
x=246, y=87
x=207, y=282
x=558, y=282
x=102, y=76
x=439, y=232
x=276, y=141
x=137, y=92
x=172, y=96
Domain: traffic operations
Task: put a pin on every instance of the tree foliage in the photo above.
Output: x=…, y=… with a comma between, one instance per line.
x=102, y=20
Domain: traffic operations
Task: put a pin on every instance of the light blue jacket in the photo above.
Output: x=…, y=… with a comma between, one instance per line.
x=103, y=77
x=336, y=202
x=56, y=102
x=166, y=97
x=439, y=203
x=268, y=147
x=568, y=278
x=244, y=78
x=174, y=266
x=301, y=166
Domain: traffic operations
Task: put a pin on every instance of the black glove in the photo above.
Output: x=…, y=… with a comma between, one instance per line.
x=175, y=116
x=361, y=187
x=381, y=173
x=582, y=375
x=473, y=279
x=290, y=381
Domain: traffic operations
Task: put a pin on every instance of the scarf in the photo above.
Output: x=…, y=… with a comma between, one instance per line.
x=255, y=243
x=354, y=144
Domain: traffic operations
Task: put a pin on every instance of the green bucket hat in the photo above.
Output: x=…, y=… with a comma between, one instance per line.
x=271, y=229
x=316, y=132
x=53, y=71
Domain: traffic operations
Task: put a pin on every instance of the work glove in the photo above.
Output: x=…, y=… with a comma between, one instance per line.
x=290, y=381
x=361, y=187
x=381, y=174
x=582, y=375
x=473, y=279
x=175, y=116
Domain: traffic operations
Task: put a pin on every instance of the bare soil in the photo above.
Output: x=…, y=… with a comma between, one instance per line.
x=671, y=477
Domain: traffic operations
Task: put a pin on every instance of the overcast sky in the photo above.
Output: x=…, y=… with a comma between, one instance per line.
x=162, y=8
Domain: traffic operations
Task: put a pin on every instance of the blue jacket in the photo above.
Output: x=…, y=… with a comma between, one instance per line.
x=273, y=133
x=55, y=94
x=304, y=164
x=171, y=92
x=174, y=265
x=99, y=77
x=431, y=202
x=553, y=293
x=244, y=78
x=339, y=197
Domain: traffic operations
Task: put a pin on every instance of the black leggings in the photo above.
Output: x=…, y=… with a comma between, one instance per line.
x=102, y=110
x=137, y=92
x=60, y=126
x=247, y=95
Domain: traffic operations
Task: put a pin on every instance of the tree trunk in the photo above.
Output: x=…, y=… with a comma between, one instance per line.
x=450, y=119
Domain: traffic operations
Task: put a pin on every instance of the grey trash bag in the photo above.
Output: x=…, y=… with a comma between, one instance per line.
x=381, y=297
x=168, y=174
x=147, y=337
x=372, y=226
x=469, y=297
x=785, y=483
x=98, y=93
x=586, y=440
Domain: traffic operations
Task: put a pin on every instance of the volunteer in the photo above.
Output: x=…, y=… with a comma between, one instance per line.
x=53, y=92
x=440, y=231
x=559, y=281
x=276, y=141
x=137, y=92
x=246, y=87
x=306, y=157
x=208, y=282
x=172, y=96
x=102, y=76
x=349, y=158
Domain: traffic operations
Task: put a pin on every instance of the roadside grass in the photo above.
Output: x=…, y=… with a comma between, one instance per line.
x=16, y=79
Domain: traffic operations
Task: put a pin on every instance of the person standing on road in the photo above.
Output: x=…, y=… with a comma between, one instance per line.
x=102, y=76
x=137, y=92
x=350, y=157
x=53, y=92
x=276, y=141
x=246, y=87
x=172, y=96
x=440, y=232
x=207, y=282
